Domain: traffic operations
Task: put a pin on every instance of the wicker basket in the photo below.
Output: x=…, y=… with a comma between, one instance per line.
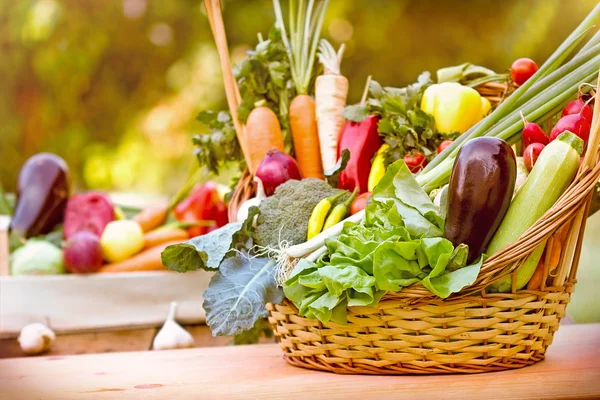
x=415, y=332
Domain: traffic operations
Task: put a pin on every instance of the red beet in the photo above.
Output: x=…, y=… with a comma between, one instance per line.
x=531, y=154
x=575, y=123
x=90, y=211
x=82, y=253
x=533, y=133
x=578, y=107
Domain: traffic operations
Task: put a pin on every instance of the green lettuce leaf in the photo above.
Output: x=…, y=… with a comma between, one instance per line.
x=238, y=293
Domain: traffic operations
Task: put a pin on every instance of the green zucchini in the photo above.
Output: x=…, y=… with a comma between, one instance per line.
x=551, y=175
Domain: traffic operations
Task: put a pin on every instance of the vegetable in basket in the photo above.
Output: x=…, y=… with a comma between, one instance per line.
x=263, y=134
x=284, y=217
x=43, y=188
x=480, y=191
x=363, y=141
x=331, y=90
x=533, y=133
x=377, y=169
x=301, y=47
x=454, y=107
x=276, y=168
x=550, y=177
x=578, y=107
x=319, y=214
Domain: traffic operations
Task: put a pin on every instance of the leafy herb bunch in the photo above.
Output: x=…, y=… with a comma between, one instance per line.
x=403, y=125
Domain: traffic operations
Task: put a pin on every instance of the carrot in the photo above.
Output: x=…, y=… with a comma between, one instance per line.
x=147, y=260
x=152, y=216
x=331, y=90
x=303, y=123
x=263, y=133
x=536, y=279
x=306, y=22
x=162, y=235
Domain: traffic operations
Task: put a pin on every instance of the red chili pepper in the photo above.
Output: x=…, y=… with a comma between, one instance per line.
x=415, y=161
x=362, y=140
x=202, y=205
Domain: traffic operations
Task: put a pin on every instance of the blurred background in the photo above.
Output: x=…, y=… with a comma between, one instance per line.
x=114, y=86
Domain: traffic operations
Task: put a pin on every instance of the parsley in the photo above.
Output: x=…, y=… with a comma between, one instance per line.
x=403, y=125
x=220, y=145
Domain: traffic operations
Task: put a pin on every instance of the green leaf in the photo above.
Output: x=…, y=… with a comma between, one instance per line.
x=238, y=293
x=208, y=251
x=333, y=174
x=445, y=284
x=6, y=205
x=356, y=113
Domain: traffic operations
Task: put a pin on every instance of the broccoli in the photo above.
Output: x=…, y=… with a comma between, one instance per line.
x=285, y=215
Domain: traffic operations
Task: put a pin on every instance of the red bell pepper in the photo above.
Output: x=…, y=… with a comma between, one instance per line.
x=362, y=140
x=202, y=205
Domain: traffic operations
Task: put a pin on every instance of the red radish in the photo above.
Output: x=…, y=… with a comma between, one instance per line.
x=443, y=145
x=90, y=211
x=275, y=169
x=415, y=161
x=533, y=133
x=82, y=253
x=578, y=107
x=575, y=123
x=522, y=69
x=531, y=154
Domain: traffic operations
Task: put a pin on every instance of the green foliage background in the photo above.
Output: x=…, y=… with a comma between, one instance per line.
x=113, y=86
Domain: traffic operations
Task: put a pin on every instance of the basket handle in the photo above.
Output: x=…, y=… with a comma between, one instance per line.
x=232, y=92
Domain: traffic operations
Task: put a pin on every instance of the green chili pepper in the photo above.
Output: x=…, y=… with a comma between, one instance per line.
x=317, y=218
x=339, y=212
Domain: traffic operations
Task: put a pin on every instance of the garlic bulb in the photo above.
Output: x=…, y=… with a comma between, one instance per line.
x=172, y=335
x=36, y=338
x=242, y=213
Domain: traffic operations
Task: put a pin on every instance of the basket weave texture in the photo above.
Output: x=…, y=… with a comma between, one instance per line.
x=415, y=332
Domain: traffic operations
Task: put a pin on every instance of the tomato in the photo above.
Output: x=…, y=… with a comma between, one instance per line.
x=443, y=145
x=415, y=161
x=359, y=203
x=522, y=69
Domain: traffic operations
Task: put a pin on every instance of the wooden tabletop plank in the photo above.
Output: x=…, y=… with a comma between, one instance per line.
x=571, y=370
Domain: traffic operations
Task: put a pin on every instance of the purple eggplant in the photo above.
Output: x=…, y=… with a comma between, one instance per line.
x=480, y=191
x=42, y=193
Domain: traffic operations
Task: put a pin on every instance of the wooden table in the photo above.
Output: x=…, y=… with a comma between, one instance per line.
x=571, y=370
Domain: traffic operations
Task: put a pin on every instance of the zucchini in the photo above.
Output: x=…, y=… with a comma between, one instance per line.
x=551, y=175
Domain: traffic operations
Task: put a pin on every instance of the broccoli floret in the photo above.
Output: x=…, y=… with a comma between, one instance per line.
x=284, y=216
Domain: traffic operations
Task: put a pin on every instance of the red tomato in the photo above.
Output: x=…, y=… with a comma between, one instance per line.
x=415, y=161
x=443, y=145
x=522, y=69
x=203, y=204
x=359, y=203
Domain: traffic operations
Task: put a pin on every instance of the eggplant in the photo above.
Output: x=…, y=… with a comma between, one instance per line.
x=42, y=193
x=480, y=191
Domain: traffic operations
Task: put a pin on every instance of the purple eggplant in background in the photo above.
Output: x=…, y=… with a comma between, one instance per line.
x=42, y=193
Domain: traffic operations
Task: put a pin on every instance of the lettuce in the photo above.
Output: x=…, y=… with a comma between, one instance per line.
x=399, y=243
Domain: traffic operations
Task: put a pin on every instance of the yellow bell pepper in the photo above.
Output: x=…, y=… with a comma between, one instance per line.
x=377, y=169
x=454, y=107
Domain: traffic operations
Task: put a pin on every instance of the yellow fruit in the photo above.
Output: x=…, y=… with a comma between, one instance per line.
x=121, y=239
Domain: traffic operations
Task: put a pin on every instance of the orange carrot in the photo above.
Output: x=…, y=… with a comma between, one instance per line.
x=152, y=216
x=147, y=260
x=303, y=122
x=263, y=133
x=162, y=235
x=536, y=280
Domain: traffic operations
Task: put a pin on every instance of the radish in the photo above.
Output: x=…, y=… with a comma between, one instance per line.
x=533, y=133
x=531, y=154
x=578, y=107
x=575, y=123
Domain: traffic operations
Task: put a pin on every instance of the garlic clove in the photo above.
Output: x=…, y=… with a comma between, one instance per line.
x=172, y=335
x=36, y=338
